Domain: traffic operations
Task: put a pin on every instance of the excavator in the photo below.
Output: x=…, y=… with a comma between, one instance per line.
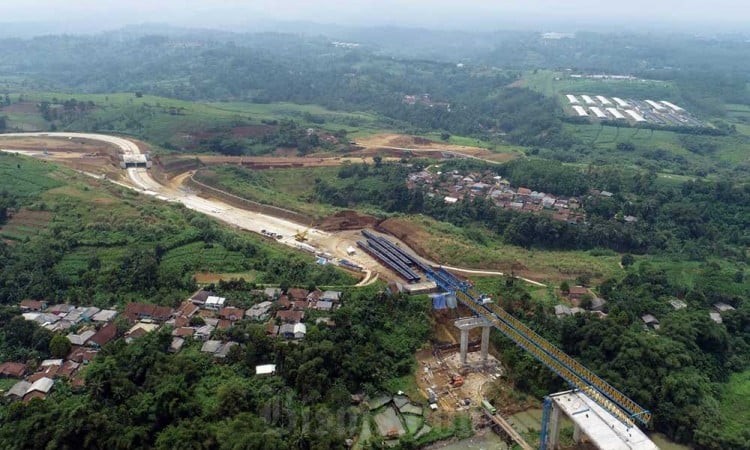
x=301, y=236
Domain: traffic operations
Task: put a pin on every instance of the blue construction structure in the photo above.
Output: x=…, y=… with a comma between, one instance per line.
x=578, y=376
x=546, y=412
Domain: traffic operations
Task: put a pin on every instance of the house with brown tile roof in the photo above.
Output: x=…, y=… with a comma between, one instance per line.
x=12, y=369
x=314, y=295
x=181, y=321
x=45, y=372
x=104, y=335
x=224, y=324
x=32, y=305
x=187, y=309
x=283, y=302
x=290, y=316
x=138, y=311
x=82, y=354
x=183, y=332
x=297, y=294
x=231, y=313
x=68, y=369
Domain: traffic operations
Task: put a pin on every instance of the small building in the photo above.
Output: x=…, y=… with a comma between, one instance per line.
x=296, y=294
x=139, y=311
x=204, y=332
x=322, y=305
x=650, y=321
x=283, y=302
x=104, y=335
x=60, y=308
x=450, y=200
x=721, y=307
x=81, y=338
x=287, y=330
x=300, y=330
x=217, y=348
x=331, y=296
x=231, y=313
x=176, y=345
x=18, y=390
x=105, y=315
x=187, y=309
x=43, y=319
x=82, y=355
x=716, y=317
x=211, y=346
x=12, y=369
x=677, y=304
x=288, y=316
x=259, y=311
x=145, y=327
x=39, y=389
x=272, y=293
x=265, y=369
x=68, y=369
x=215, y=303
x=183, y=332
x=524, y=191
x=200, y=297
x=32, y=305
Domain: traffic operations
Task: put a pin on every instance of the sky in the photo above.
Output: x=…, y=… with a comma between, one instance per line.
x=543, y=15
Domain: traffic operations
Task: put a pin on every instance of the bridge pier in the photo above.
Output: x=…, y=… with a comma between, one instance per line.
x=553, y=432
x=468, y=324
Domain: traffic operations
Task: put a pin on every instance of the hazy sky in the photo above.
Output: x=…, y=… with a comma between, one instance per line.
x=459, y=14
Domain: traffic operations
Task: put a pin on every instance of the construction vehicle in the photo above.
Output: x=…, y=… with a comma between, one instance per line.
x=301, y=236
x=457, y=380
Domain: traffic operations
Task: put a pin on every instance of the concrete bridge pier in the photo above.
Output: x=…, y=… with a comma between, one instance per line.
x=467, y=324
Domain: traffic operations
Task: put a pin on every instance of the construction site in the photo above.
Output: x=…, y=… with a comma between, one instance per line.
x=453, y=374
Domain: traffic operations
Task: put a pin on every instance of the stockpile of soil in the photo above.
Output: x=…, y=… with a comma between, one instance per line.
x=348, y=220
x=408, y=233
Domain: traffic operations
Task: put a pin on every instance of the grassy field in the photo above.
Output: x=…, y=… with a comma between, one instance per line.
x=557, y=84
x=286, y=188
x=452, y=245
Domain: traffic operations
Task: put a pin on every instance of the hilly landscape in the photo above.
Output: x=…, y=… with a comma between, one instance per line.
x=193, y=223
